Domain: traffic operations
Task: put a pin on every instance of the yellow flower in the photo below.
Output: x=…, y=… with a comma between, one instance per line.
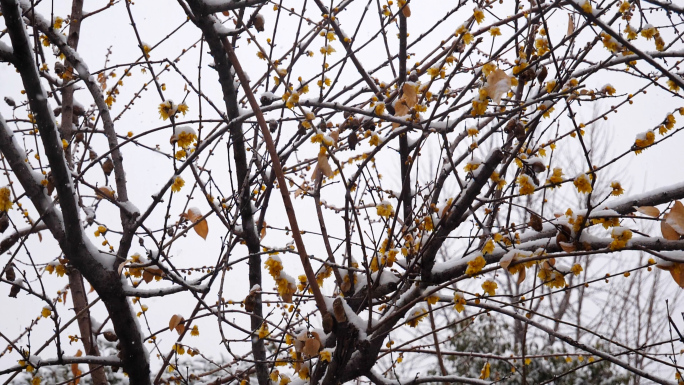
x=433, y=299
x=263, y=331
x=416, y=316
x=327, y=50
x=620, y=237
x=178, y=183
x=609, y=89
x=167, y=109
x=186, y=138
x=46, y=312
x=586, y=6
x=325, y=355
x=583, y=184
x=479, y=15
x=472, y=165
x=475, y=265
x=631, y=32
x=274, y=266
x=36, y=380
x=459, y=302
x=672, y=86
x=617, y=189
x=182, y=108
x=58, y=22
x=473, y=131
x=526, y=184
x=380, y=108
x=485, y=372
x=490, y=287
x=644, y=140
x=648, y=31
x=384, y=209
x=178, y=348
x=576, y=269
x=556, y=177
x=488, y=247
x=195, y=331
x=468, y=38
x=5, y=199
x=542, y=46
x=495, y=31
x=625, y=6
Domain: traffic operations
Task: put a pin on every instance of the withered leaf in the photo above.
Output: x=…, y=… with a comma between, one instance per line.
x=675, y=217
x=406, y=11
x=201, y=226
x=311, y=347
x=668, y=232
x=176, y=322
x=498, y=84
x=571, y=25
x=536, y=222
x=649, y=210
x=108, y=166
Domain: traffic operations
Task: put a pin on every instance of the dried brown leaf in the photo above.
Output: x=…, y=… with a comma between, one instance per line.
x=406, y=11
x=675, y=218
x=571, y=25
x=668, y=232
x=521, y=276
x=498, y=84
x=311, y=347
x=649, y=210
x=176, y=322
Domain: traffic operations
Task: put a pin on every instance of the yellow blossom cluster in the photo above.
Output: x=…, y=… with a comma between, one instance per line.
x=5, y=199
x=617, y=189
x=552, y=278
x=489, y=287
x=526, y=184
x=480, y=103
x=416, y=316
x=178, y=183
x=620, y=237
x=385, y=209
x=496, y=178
x=583, y=184
x=475, y=265
x=459, y=302
x=285, y=283
x=644, y=140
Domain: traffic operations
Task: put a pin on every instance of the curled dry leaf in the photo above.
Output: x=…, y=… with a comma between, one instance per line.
x=675, y=217
x=676, y=270
x=105, y=192
x=668, y=232
x=567, y=247
x=150, y=273
x=536, y=222
x=262, y=233
x=323, y=166
x=406, y=11
x=498, y=84
x=648, y=210
x=108, y=166
x=309, y=344
x=408, y=100
x=571, y=25
x=338, y=310
x=176, y=323
x=201, y=226
x=75, y=370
